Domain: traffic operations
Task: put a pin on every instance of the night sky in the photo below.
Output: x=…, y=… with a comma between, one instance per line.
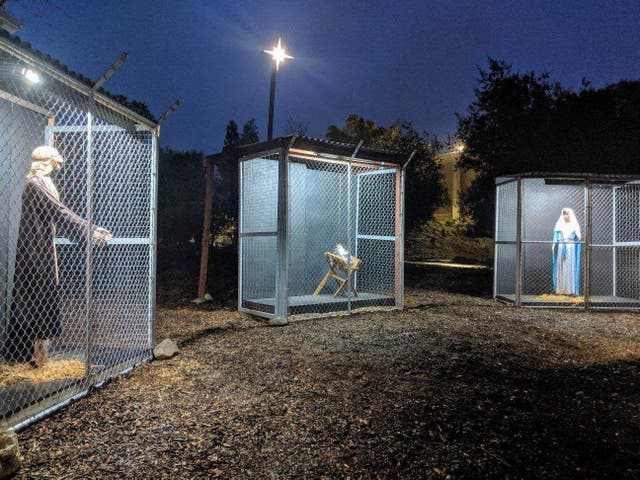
x=384, y=60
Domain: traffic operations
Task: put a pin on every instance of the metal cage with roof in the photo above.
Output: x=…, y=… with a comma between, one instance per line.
x=321, y=227
x=100, y=306
x=597, y=265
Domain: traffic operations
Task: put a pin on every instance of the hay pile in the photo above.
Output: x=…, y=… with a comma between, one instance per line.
x=54, y=370
x=549, y=297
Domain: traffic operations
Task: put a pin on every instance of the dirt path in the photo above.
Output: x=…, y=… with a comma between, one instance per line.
x=456, y=386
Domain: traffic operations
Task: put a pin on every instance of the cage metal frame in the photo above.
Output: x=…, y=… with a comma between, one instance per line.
x=346, y=158
x=104, y=117
x=589, y=182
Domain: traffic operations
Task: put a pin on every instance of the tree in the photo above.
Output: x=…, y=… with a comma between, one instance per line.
x=249, y=133
x=355, y=129
x=524, y=122
x=424, y=191
x=232, y=137
x=225, y=190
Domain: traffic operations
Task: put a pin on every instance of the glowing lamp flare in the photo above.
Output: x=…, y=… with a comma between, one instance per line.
x=278, y=54
x=31, y=75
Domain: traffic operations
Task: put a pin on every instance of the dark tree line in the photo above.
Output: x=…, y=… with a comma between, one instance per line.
x=181, y=181
x=518, y=122
x=525, y=122
x=180, y=196
x=181, y=188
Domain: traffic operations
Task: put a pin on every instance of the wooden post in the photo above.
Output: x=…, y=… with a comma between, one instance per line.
x=206, y=229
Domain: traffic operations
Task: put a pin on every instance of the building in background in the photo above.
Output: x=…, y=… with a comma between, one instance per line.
x=455, y=181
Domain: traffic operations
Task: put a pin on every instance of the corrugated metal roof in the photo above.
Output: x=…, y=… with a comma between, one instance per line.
x=594, y=177
x=317, y=144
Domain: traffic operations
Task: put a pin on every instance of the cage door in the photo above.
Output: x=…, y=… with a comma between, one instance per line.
x=375, y=231
x=108, y=291
x=626, y=241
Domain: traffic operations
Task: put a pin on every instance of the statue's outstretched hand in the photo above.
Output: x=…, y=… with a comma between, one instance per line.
x=101, y=236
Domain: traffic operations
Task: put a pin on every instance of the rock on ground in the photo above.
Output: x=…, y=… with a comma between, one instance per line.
x=165, y=349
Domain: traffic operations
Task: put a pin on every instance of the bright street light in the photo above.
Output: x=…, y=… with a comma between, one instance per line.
x=278, y=55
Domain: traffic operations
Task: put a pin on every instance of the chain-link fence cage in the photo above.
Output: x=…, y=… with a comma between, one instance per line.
x=74, y=311
x=320, y=233
x=568, y=240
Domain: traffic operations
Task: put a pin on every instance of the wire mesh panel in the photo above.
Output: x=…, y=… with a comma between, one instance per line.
x=258, y=233
x=616, y=276
x=377, y=232
x=507, y=211
x=76, y=245
x=120, y=289
x=505, y=254
x=552, y=254
x=579, y=243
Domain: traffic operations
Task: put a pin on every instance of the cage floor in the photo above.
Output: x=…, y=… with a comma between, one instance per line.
x=596, y=300
x=301, y=304
x=17, y=395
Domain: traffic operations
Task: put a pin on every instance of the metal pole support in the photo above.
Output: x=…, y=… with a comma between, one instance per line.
x=282, y=272
x=349, y=228
x=519, y=256
x=587, y=253
x=272, y=97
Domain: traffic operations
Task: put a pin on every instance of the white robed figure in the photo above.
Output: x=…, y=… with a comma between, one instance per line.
x=566, y=254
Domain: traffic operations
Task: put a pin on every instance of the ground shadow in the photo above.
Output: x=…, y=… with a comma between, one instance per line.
x=470, y=281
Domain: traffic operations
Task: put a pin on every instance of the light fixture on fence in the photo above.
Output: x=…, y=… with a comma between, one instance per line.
x=460, y=147
x=31, y=75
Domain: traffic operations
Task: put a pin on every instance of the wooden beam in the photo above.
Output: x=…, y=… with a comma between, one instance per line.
x=206, y=230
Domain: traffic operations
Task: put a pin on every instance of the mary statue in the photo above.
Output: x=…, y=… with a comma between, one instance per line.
x=566, y=254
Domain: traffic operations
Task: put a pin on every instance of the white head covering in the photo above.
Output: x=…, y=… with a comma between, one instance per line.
x=41, y=168
x=568, y=227
x=44, y=152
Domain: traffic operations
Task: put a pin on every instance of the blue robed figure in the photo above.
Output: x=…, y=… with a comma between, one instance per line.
x=566, y=254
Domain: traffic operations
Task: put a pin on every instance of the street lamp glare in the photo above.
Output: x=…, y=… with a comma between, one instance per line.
x=278, y=54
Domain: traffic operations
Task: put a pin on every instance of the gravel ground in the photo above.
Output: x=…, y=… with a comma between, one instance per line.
x=455, y=386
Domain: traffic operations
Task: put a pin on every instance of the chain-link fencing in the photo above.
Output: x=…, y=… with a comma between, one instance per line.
x=338, y=246
x=568, y=241
x=75, y=310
